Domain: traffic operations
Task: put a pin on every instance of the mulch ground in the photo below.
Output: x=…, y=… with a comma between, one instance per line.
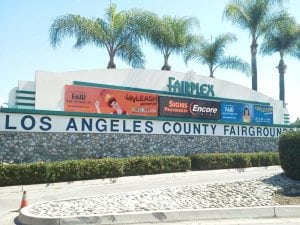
x=288, y=196
x=287, y=200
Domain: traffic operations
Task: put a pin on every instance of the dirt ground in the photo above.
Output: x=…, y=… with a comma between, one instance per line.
x=286, y=197
x=287, y=200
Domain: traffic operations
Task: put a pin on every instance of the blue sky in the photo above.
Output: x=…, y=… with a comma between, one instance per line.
x=25, y=48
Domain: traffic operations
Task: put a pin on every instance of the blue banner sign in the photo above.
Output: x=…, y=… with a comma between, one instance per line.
x=263, y=114
x=246, y=113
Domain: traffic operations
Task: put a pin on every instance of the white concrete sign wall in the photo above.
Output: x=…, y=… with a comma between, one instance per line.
x=50, y=86
x=14, y=122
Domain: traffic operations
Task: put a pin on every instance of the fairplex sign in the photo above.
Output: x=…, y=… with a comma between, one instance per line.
x=190, y=88
x=52, y=123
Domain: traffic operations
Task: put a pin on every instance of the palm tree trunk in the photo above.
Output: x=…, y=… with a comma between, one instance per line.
x=254, y=64
x=211, y=72
x=166, y=66
x=281, y=69
x=111, y=64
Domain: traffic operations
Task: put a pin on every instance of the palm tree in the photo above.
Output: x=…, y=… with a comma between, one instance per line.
x=118, y=33
x=256, y=16
x=283, y=38
x=296, y=53
x=170, y=35
x=212, y=54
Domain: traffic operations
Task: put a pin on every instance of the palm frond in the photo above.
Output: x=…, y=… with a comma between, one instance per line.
x=254, y=15
x=83, y=29
x=272, y=18
x=234, y=63
x=235, y=12
x=119, y=32
x=132, y=54
x=172, y=33
x=282, y=38
x=211, y=53
x=192, y=54
x=296, y=50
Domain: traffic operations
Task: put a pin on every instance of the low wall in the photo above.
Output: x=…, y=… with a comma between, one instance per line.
x=31, y=136
x=31, y=147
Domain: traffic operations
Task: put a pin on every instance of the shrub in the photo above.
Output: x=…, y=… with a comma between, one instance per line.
x=155, y=164
x=208, y=161
x=70, y=170
x=108, y=167
x=33, y=173
x=219, y=161
x=240, y=160
x=289, y=153
x=84, y=169
x=22, y=174
x=264, y=159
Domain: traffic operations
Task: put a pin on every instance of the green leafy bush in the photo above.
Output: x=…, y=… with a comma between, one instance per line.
x=218, y=161
x=70, y=170
x=240, y=161
x=289, y=153
x=155, y=164
x=264, y=159
x=22, y=174
x=208, y=161
x=84, y=169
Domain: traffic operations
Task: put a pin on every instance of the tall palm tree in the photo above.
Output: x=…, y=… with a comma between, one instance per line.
x=117, y=32
x=283, y=38
x=296, y=53
x=256, y=16
x=211, y=53
x=170, y=35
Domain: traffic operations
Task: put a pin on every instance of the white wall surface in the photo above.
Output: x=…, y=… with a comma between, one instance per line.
x=24, y=85
x=49, y=86
x=12, y=98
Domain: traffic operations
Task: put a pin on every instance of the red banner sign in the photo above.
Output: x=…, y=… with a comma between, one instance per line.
x=109, y=101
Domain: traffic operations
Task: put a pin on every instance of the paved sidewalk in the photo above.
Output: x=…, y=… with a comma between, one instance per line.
x=8, y=220
x=272, y=221
x=10, y=196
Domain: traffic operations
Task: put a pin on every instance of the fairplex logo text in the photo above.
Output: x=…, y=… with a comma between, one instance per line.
x=54, y=123
x=190, y=88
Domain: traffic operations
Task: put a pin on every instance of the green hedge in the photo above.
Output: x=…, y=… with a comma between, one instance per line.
x=289, y=152
x=264, y=159
x=84, y=169
x=34, y=173
x=154, y=165
x=209, y=161
x=23, y=174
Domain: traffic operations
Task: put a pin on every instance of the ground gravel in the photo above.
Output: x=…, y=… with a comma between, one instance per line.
x=249, y=193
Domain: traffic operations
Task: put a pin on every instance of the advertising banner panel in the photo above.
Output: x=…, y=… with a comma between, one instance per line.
x=193, y=108
x=246, y=113
x=109, y=101
x=263, y=114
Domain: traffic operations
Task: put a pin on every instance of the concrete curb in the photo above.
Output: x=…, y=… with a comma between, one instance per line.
x=130, y=179
x=27, y=218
